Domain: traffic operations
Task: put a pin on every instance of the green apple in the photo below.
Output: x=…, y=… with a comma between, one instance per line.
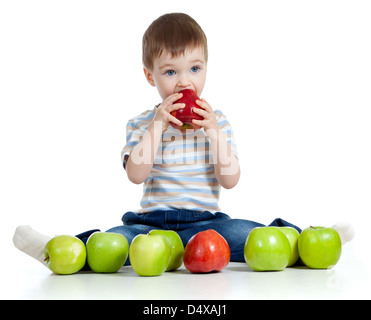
x=267, y=249
x=107, y=251
x=177, y=248
x=65, y=254
x=319, y=247
x=292, y=235
x=149, y=254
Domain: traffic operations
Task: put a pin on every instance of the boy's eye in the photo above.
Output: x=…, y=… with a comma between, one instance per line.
x=195, y=69
x=170, y=72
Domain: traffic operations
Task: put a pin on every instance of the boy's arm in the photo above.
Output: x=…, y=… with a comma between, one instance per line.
x=140, y=161
x=226, y=165
x=141, y=158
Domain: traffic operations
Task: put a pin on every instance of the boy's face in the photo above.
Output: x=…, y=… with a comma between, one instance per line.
x=171, y=75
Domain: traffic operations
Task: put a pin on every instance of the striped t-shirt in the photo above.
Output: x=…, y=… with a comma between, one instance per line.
x=182, y=175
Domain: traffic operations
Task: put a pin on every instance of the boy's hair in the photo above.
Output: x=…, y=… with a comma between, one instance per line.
x=173, y=33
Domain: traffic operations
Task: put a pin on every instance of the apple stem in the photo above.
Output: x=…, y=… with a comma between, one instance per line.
x=147, y=230
x=46, y=258
x=313, y=228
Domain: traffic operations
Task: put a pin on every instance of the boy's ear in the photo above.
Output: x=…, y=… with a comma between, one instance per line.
x=149, y=77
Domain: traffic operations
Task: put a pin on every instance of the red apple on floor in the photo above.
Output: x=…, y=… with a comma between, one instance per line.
x=206, y=251
x=186, y=114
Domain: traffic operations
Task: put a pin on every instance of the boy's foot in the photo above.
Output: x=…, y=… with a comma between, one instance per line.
x=345, y=231
x=30, y=242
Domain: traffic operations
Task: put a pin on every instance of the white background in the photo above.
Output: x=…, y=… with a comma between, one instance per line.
x=292, y=77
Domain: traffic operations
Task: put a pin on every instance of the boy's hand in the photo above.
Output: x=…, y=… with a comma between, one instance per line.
x=166, y=107
x=209, y=121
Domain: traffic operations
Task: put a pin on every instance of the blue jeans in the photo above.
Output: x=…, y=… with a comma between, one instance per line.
x=187, y=223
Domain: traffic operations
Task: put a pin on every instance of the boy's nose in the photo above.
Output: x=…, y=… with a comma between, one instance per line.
x=183, y=82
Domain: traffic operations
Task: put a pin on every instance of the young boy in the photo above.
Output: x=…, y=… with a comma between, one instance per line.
x=181, y=172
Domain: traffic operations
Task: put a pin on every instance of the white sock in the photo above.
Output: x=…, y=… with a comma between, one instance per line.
x=31, y=242
x=345, y=231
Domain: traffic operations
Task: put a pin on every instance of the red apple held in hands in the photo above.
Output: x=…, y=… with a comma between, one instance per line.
x=206, y=251
x=186, y=114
